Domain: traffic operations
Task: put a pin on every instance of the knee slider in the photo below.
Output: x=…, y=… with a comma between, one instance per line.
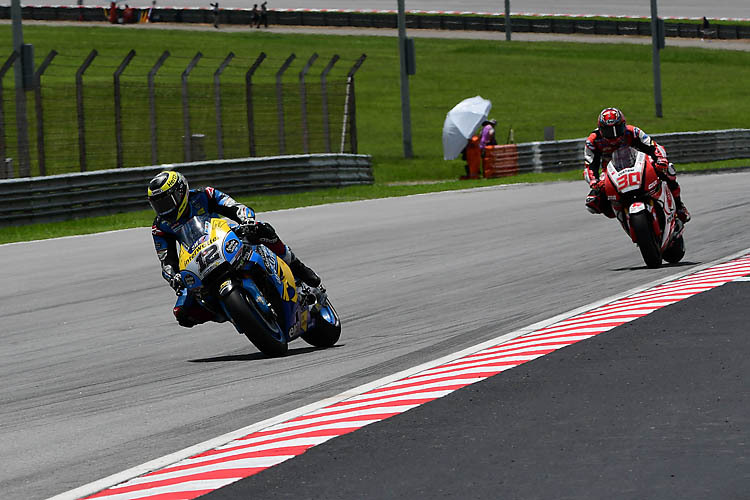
x=183, y=319
x=593, y=202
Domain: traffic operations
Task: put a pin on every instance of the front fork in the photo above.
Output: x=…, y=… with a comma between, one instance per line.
x=648, y=206
x=638, y=207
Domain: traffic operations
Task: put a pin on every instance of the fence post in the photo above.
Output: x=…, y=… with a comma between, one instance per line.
x=350, y=108
x=5, y=172
x=152, y=105
x=118, y=106
x=186, y=107
x=280, y=103
x=303, y=99
x=324, y=100
x=79, y=108
x=39, y=111
x=249, y=102
x=217, y=91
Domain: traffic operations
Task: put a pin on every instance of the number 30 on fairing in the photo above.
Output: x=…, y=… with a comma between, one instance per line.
x=631, y=179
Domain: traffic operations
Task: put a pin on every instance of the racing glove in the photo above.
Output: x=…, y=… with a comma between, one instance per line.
x=659, y=156
x=175, y=281
x=259, y=232
x=245, y=215
x=590, y=177
x=248, y=230
x=661, y=163
x=247, y=222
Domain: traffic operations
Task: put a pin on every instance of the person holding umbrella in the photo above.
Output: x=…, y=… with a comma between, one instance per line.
x=458, y=132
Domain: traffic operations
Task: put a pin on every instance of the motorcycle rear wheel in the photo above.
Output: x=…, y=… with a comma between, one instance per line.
x=261, y=331
x=646, y=239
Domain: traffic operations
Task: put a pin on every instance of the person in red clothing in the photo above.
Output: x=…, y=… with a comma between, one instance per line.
x=613, y=133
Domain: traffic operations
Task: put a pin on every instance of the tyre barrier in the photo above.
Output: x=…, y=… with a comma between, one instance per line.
x=387, y=19
x=556, y=156
x=70, y=196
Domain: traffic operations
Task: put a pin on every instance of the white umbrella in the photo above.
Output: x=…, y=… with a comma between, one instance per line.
x=460, y=124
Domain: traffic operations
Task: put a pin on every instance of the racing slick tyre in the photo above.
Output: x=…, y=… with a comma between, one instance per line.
x=676, y=251
x=262, y=330
x=646, y=240
x=327, y=328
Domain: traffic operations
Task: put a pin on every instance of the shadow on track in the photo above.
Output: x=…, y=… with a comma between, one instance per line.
x=256, y=356
x=676, y=264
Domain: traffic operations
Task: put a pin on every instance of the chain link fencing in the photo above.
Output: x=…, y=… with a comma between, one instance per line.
x=140, y=118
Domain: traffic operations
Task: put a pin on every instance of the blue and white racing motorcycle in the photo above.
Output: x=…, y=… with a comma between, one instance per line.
x=249, y=285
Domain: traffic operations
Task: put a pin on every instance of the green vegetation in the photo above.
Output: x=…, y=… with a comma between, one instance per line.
x=531, y=85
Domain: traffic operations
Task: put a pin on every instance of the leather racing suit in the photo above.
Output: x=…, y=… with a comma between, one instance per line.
x=598, y=152
x=208, y=200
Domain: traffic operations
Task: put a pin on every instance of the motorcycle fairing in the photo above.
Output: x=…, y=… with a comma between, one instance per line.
x=204, y=244
x=626, y=177
x=670, y=215
x=281, y=278
x=636, y=207
x=628, y=172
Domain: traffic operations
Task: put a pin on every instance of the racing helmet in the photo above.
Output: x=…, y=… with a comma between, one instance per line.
x=168, y=194
x=611, y=124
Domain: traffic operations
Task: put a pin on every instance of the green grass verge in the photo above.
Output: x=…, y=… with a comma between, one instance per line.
x=531, y=85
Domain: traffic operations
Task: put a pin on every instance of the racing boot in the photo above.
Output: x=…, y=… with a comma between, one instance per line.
x=682, y=211
x=303, y=272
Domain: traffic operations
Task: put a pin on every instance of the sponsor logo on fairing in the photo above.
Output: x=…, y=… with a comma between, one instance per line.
x=231, y=246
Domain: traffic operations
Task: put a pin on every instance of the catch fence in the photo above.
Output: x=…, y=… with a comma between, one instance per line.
x=139, y=115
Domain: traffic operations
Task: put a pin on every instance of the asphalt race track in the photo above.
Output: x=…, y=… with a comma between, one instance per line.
x=656, y=408
x=98, y=378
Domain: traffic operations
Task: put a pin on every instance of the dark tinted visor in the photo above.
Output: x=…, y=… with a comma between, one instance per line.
x=163, y=204
x=614, y=131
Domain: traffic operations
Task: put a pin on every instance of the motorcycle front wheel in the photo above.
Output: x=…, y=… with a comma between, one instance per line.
x=263, y=332
x=676, y=251
x=644, y=234
x=327, y=329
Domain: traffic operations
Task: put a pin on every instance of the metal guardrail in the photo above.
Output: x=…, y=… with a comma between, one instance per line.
x=682, y=147
x=64, y=197
x=296, y=17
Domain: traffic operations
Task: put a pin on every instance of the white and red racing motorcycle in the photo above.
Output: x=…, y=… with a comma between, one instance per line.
x=645, y=207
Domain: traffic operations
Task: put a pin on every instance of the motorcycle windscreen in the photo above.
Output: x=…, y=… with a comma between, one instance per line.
x=624, y=157
x=193, y=231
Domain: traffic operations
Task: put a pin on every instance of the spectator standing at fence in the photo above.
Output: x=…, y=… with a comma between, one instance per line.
x=151, y=15
x=263, y=15
x=215, y=7
x=704, y=28
x=487, y=135
x=255, y=17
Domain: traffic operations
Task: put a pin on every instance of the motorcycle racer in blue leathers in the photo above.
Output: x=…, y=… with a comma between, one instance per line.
x=175, y=203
